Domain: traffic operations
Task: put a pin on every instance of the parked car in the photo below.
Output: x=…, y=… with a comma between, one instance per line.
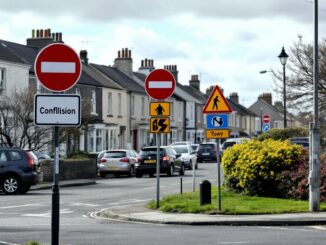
x=303, y=141
x=181, y=143
x=187, y=155
x=42, y=156
x=118, y=162
x=169, y=161
x=207, y=151
x=232, y=141
x=17, y=170
x=194, y=147
x=35, y=158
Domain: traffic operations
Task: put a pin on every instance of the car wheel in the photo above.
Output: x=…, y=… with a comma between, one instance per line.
x=139, y=175
x=131, y=171
x=182, y=170
x=25, y=189
x=190, y=165
x=102, y=175
x=11, y=184
x=170, y=170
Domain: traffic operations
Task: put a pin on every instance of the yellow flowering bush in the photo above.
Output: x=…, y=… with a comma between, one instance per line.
x=254, y=167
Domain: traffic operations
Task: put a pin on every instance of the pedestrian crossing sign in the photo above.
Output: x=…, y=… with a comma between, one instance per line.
x=217, y=103
x=159, y=109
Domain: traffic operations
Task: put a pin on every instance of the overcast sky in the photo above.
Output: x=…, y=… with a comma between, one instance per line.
x=225, y=42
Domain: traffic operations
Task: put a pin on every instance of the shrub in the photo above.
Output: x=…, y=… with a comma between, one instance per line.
x=254, y=167
x=283, y=134
x=32, y=243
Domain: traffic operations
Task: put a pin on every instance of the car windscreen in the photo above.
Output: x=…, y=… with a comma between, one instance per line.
x=206, y=147
x=228, y=144
x=115, y=154
x=180, y=149
x=150, y=152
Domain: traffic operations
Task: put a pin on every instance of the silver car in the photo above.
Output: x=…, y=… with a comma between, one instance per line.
x=188, y=155
x=118, y=162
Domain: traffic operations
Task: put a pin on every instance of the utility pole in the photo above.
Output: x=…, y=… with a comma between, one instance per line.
x=314, y=164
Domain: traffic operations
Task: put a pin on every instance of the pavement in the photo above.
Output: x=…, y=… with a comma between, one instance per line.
x=140, y=213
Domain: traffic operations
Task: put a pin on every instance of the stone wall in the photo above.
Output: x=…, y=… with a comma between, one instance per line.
x=69, y=169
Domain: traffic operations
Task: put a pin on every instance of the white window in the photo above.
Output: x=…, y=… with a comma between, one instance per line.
x=132, y=108
x=143, y=106
x=93, y=102
x=119, y=104
x=98, y=140
x=110, y=103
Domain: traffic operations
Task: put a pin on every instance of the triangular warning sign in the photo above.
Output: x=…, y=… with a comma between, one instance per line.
x=217, y=103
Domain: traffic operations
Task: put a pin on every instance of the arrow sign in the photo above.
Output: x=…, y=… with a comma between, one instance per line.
x=160, y=125
x=217, y=121
x=266, y=127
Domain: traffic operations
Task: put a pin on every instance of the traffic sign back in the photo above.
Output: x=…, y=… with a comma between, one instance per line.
x=160, y=84
x=217, y=103
x=57, y=67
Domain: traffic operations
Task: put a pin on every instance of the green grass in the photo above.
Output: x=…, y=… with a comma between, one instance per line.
x=232, y=203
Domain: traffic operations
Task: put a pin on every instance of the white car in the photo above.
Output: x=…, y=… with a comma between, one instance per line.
x=188, y=155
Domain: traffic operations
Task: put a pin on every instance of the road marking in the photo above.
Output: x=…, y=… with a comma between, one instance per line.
x=48, y=215
x=285, y=229
x=8, y=243
x=58, y=67
x=21, y=206
x=233, y=243
x=83, y=204
x=319, y=227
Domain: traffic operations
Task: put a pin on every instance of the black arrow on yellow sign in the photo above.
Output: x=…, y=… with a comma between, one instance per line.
x=160, y=125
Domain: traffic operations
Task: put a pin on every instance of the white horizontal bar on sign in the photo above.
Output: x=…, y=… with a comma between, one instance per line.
x=58, y=67
x=159, y=84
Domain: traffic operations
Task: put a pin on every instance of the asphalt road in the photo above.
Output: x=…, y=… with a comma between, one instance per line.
x=28, y=217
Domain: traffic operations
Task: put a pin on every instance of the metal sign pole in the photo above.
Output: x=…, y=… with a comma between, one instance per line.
x=193, y=177
x=218, y=174
x=55, y=193
x=158, y=142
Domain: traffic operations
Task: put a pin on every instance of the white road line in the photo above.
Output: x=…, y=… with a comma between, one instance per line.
x=8, y=243
x=58, y=67
x=285, y=229
x=319, y=227
x=48, y=214
x=21, y=206
x=159, y=84
x=233, y=243
x=83, y=204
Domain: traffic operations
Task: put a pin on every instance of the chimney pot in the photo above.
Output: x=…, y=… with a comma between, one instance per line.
x=41, y=33
x=33, y=33
x=119, y=54
x=37, y=33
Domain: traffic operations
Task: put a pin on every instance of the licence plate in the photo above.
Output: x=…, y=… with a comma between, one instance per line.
x=113, y=168
x=205, y=154
x=150, y=161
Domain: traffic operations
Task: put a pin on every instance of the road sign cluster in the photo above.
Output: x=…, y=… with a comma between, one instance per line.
x=160, y=85
x=266, y=120
x=217, y=121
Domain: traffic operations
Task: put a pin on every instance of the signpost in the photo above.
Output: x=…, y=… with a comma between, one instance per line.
x=159, y=85
x=217, y=125
x=58, y=68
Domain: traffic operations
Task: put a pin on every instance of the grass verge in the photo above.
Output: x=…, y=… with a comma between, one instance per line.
x=232, y=203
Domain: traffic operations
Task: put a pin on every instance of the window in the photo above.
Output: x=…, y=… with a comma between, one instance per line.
x=119, y=104
x=199, y=113
x=180, y=110
x=14, y=156
x=110, y=103
x=98, y=140
x=2, y=78
x=93, y=102
x=143, y=106
x=3, y=156
x=132, y=107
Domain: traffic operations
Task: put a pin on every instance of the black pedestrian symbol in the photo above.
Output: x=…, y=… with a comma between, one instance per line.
x=155, y=127
x=215, y=102
x=217, y=121
x=159, y=110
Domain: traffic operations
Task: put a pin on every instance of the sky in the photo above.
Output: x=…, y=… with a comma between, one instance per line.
x=225, y=42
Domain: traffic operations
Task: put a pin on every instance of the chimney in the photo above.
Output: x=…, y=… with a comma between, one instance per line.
x=124, y=61
x=279, y=105
x=194, y=82
x=234, y=97
x=83, y=56
x=267, y=97
x=174, y=70
x=146, y=66
x=41, y=38
x=209, y=90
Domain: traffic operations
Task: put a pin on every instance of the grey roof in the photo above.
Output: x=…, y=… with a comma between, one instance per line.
x=240, y=108
x=11, y=52
x=121, y=78
x=196, y=93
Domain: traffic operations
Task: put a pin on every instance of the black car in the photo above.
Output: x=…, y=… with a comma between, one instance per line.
x=17, y=170
x=169, y=162
x=207, y=152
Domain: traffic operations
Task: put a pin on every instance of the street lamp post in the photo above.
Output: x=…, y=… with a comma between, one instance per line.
x=283, y=58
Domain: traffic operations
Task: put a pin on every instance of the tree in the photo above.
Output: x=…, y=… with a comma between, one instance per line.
x=16, y=115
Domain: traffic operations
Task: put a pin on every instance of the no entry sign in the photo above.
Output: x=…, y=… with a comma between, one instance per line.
x=266, y=118
x=160, y=84
x=58, y=67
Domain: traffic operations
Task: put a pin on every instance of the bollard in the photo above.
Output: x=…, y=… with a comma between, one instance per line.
x=205, y=192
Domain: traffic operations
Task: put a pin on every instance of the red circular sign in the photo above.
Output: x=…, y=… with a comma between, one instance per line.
x=266, y=118
x=58, y=67
x=160, y=84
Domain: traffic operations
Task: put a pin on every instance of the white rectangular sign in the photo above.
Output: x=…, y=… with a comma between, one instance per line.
x=57, y=110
